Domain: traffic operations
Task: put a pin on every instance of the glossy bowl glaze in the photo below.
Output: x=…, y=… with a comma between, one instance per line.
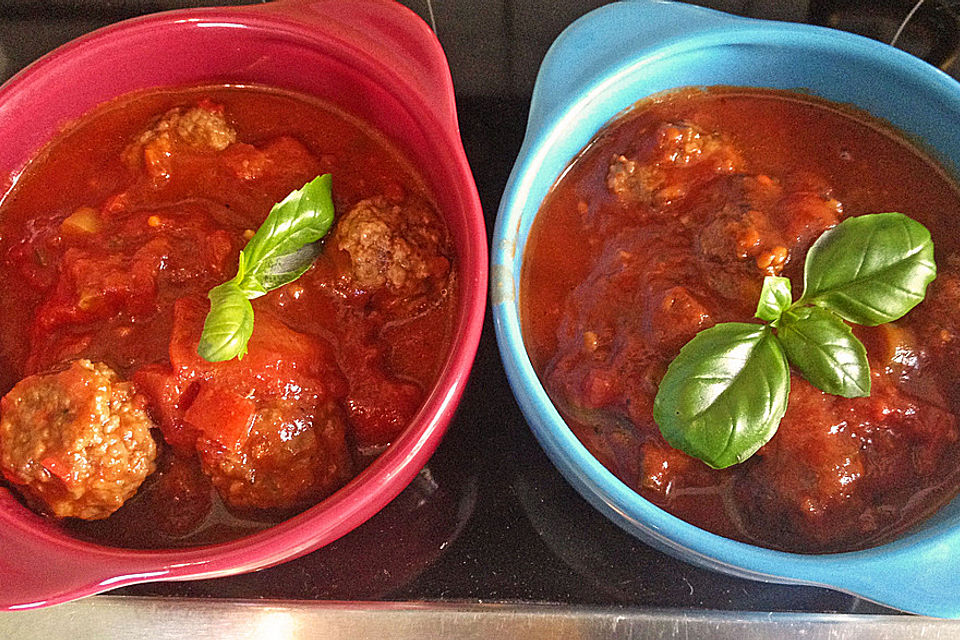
x=599, y=66
x=373, y=58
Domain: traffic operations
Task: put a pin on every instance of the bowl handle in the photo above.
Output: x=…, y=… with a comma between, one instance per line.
x=921, y=576
x=610, y=37
x=388, y=32
x=39, y=566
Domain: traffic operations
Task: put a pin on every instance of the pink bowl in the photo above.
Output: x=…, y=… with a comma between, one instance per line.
x=375, y=59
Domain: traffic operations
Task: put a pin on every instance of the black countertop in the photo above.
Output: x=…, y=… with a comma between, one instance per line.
x=490, y=519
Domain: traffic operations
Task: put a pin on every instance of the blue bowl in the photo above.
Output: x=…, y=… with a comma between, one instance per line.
x=599, y=66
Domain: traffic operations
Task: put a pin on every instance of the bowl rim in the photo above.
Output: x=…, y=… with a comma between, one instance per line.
x=396, y=467
x=627, y=508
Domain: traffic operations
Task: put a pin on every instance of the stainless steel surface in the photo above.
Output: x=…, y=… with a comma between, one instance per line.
x=173, y=618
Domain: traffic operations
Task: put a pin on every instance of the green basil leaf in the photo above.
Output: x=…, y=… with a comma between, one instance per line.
x=281, y=250
x=775, y=297
x=823, y=348
x=303, y=217
x=251, y=289
x=724, y=394
x=870, y=269
x=229, y=324
x=286, y=268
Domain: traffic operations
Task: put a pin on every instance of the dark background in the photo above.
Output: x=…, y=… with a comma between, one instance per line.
x=489, y=519
x=495, y=46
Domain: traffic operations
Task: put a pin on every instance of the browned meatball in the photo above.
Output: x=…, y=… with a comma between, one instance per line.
x=826, y=478
x=937, y=332
x=203, y=128
x=296, y=453
x=77, y=442
x=666, y=161
x=398, y=253
x=761, y=222
x=625, y=315
x=756, y=225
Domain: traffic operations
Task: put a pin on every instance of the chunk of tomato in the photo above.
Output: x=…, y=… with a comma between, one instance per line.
x=221, y=415
x=278, y=360
x=169, y=393
x=380, y=408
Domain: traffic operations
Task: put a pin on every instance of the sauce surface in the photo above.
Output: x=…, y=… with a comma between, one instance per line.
x=666, y=224
x=111, y=240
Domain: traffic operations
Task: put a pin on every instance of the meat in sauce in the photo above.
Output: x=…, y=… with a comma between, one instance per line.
x=110, y=242
x=77, y=442
x=666, y=225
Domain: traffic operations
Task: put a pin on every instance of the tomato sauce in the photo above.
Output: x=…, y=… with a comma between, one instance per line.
x=109, y=243
x=666, y=224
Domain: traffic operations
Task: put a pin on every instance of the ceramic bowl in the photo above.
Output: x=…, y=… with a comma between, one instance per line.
x=373, y=58
x=602, y=64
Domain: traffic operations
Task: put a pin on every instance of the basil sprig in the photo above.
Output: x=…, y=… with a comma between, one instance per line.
x=723, y=396
x=281, y=250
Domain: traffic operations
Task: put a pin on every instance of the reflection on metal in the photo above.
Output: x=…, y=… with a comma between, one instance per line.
x=928, y=29
x=433, y=19
x=158, y=619
x=896, y=36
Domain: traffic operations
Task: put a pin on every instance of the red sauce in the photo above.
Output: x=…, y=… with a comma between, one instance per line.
x=130, y=291
x=665, y=224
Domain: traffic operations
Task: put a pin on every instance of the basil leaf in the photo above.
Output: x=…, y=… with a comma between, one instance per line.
x=229, y=324
x=288, y=267
x=281, y=250
x=823, y=348
x=723, y=396
x=303, y=217
x=250, y=288
x=775, y=297
x=870, y=269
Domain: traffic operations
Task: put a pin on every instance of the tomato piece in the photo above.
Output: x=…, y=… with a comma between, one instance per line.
x=277, y=356
x=221, y=415
x=57, y=467
x=169, y=393
x=380, y=408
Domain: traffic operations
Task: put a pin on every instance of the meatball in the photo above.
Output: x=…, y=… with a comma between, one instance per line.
x=396, y=253
x=668, y=159
x=756, y=225
x=628, y=313
x=828, y=474
x=295, y=454
x=759, y=220
x=77, y=442
x=936, y=326
x=200, y=128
